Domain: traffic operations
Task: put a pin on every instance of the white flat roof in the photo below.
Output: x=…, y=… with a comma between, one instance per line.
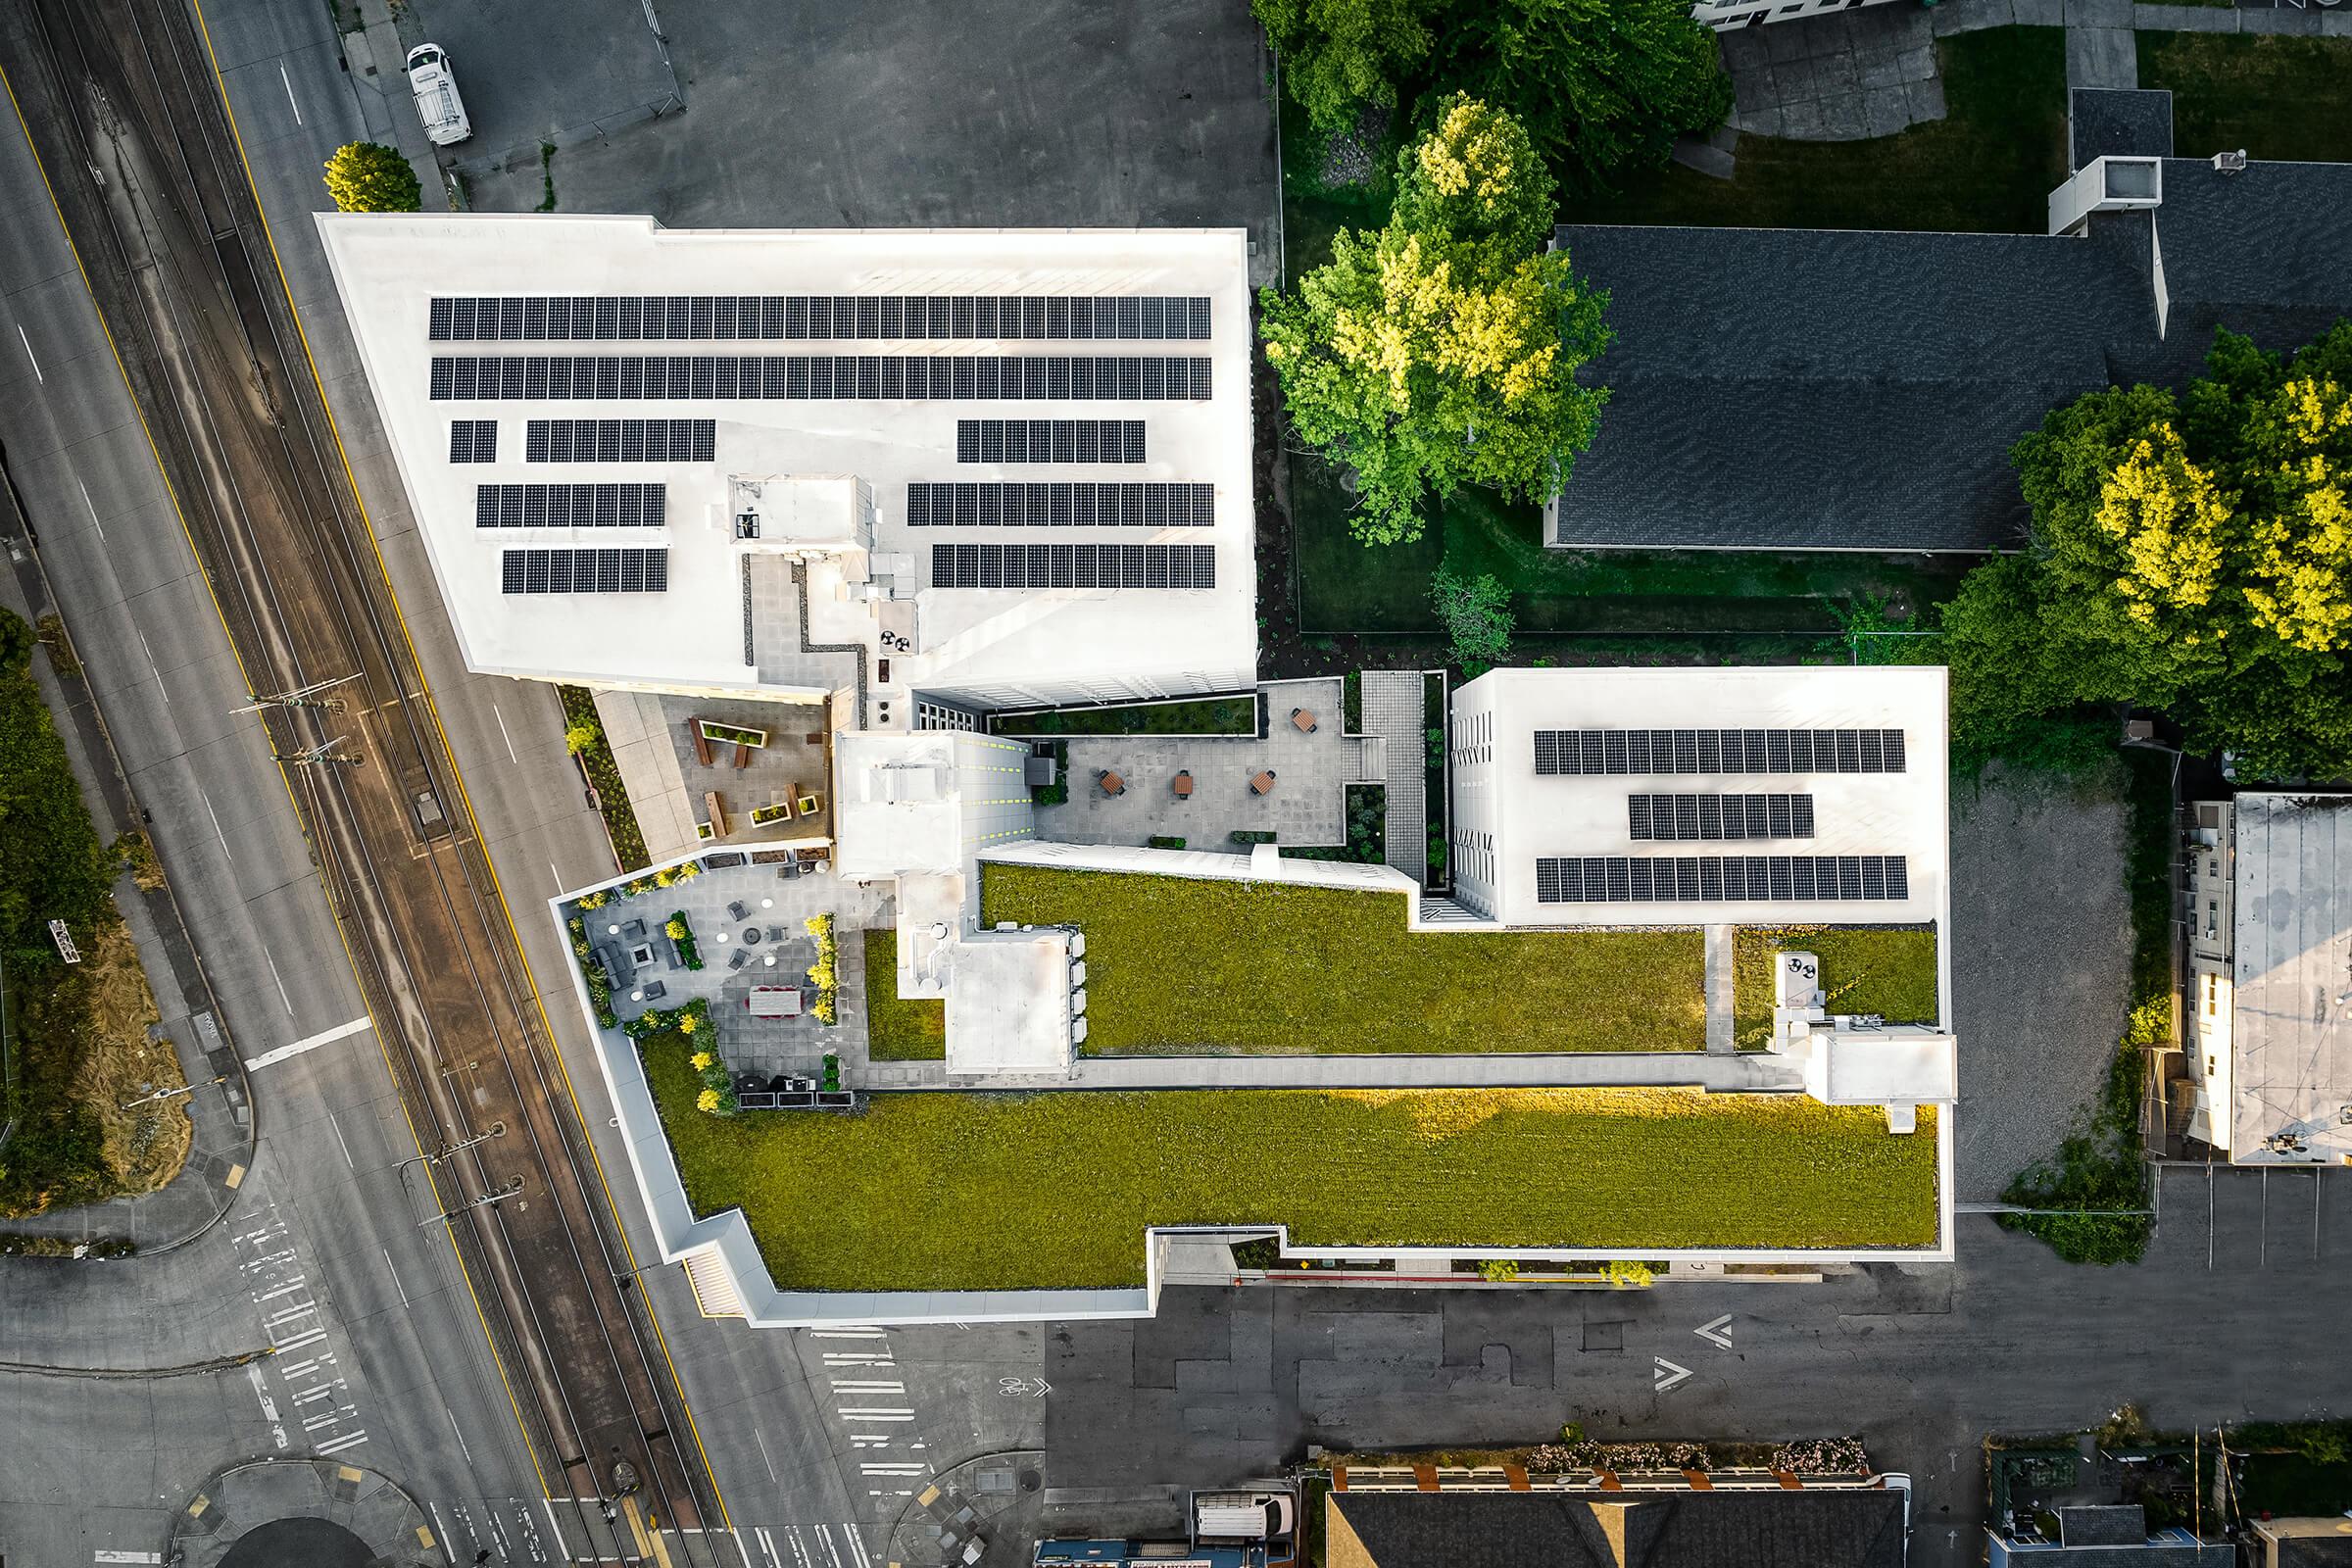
x=1009, y=1003
x=390, y=267
x=1858, y=816
x=2289, y=1037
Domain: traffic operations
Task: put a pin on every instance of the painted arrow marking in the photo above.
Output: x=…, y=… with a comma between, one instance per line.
x=1708, y=1332
x=1660, y=1381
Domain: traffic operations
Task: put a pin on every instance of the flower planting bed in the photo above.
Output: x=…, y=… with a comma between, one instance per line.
x=937, y=1190
x=1178, y=964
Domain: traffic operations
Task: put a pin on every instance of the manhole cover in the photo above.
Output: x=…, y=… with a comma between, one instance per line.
x=299, y=1543
x=1031, y=1481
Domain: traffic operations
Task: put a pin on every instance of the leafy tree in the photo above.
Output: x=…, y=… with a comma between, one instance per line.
x=1339, y=55
x=2191, y=553
x=367, y=176
x=1440, y=351
x=1604, y=86
x=1476, y=612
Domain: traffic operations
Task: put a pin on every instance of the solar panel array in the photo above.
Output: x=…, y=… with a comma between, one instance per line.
x=1049, y=440
x=584, y=571
x=681, y=317
x=1727, y=878
x=620, y=441
x=1061, y=504
x=1719, y=816
x=569, y=505
x=1131, y=379
x=1719, y=751
x=1073, y=565
x=473, y=440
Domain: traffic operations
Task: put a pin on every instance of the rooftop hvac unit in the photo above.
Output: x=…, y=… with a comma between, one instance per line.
x=1077, y=943
x=1077, y=974
x=1077, y=1031
x=2233, y=162
x=1078, y=1001
x=747, y=525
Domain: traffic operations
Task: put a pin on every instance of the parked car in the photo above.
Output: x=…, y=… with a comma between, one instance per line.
x=437, y=102
x=1244, y=1516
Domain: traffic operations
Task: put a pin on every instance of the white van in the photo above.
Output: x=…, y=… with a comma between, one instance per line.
x=437, y=102
x=1246, y=1516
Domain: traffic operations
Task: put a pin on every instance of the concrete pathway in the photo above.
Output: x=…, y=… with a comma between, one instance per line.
x=1720, y=1041
x=1584, y=1069
x=1396, y=708
x=1838, y=78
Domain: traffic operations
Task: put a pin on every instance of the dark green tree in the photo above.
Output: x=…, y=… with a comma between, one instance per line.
x=1340, y=55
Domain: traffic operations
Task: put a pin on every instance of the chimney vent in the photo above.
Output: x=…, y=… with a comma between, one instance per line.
x=2230, y=163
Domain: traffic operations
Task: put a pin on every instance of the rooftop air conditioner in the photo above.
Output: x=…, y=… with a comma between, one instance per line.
x=2230, y=163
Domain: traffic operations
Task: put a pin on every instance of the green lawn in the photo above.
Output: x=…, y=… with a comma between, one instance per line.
x=1178, y=964
x=1988, y=165
x=913, y=1029
x=1882, y=969
x=1346, y=587
x=1037, y=1191
x=2276, y=97
x=1216, y=715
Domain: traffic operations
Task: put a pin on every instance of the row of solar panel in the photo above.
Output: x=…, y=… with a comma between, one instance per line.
x=682, y=317
x=1146, y=378
x=1719, y=816
x=584, y=571
x=1729, y=878
x=1073, y=565
x=1049, y=440
x=570, y=506
x=1725, y=750
x=1061, y=504
x=473, y=440
x=619, y=440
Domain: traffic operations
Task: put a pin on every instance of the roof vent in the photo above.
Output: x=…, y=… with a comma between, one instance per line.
x=2230, y=163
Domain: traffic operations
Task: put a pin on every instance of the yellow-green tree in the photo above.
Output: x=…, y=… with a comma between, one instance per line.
x=2191, y=553
x=367, y=176
x=1443, y=349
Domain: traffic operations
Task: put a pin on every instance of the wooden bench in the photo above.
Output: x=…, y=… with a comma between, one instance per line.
x=743, y=755
x=701, y=741
x=719, y=813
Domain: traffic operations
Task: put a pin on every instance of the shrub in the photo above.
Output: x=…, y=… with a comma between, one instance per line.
x=1627, y=1273
x=367, y=176
x=1476, y=612
x=1498, y=1270
x=681, y=932
x=1160, y=841
x=594, y=901
x=832, y=1077
x=579, y=739
x=1258, y=1252
x=1252, y=834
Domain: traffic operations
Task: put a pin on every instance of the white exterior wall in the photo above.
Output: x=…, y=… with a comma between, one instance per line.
x=1477, y=804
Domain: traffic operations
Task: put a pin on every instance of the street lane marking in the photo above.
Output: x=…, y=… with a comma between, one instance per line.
x=1711, y=1332
x=105, y=1555
x=36, y=363
x=825, y=1534
x=160, y=689
x=873, y=1386
x=875, y=1412
x=274, y=975
x=289, y=81
x=339, y=1142
x=847, y=1334
x=764, y=1460
x=395, y=1273
x=557, y=1529
x=86, y=501
x=1660, y=1381
x=277, y=1430
x=504, y=736
x=340, y=1443
x=453, y=1425
x=216, y=817
x=857, y=1544
x=301, y=1340
x=341, y=1031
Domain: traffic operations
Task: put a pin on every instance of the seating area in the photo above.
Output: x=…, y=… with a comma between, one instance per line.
x=1289, y=782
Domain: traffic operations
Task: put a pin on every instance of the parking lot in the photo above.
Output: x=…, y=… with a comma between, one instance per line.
x=799, y=113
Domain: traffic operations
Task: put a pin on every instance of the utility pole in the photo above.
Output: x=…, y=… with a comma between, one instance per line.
x=322, y=755
x=483, y=1202
x=300, y=697
x=167, y=1094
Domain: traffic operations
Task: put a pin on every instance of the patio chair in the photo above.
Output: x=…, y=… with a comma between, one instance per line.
x=1183, y=786
x=653, y=989
x=635, y=928
x=738, y=958
x=775, y=933
x=736, y=911
x=789, y=871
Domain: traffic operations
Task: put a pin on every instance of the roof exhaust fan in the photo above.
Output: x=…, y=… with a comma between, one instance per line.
x=2230, y=163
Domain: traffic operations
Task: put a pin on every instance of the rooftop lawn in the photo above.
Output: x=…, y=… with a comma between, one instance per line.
x=2276, y=97
x=913, y=1029
x=1178, y=964
x=928, y=1190
x=1988, y=165
x=1882, y=969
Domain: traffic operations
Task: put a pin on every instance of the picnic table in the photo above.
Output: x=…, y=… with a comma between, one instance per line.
x=1263, y=784
x=1303, y=719
x=773, y=1002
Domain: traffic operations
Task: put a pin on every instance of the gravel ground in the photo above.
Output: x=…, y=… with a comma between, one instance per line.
x=2041, y=954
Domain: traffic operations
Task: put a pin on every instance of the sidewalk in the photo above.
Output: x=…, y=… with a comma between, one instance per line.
x=1716, y=1074
x=221, y=1115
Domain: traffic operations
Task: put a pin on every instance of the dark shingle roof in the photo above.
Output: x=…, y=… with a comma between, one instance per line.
x=2106, y=1525
x=2119, y=122
x=1811, y=1528
x=2315, y=1551
x=1806, y=389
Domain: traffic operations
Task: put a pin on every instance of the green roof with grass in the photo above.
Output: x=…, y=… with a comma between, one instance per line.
x=1184, y=964
x=933, y=1191
x=1888, y=971
x=899, y=1028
